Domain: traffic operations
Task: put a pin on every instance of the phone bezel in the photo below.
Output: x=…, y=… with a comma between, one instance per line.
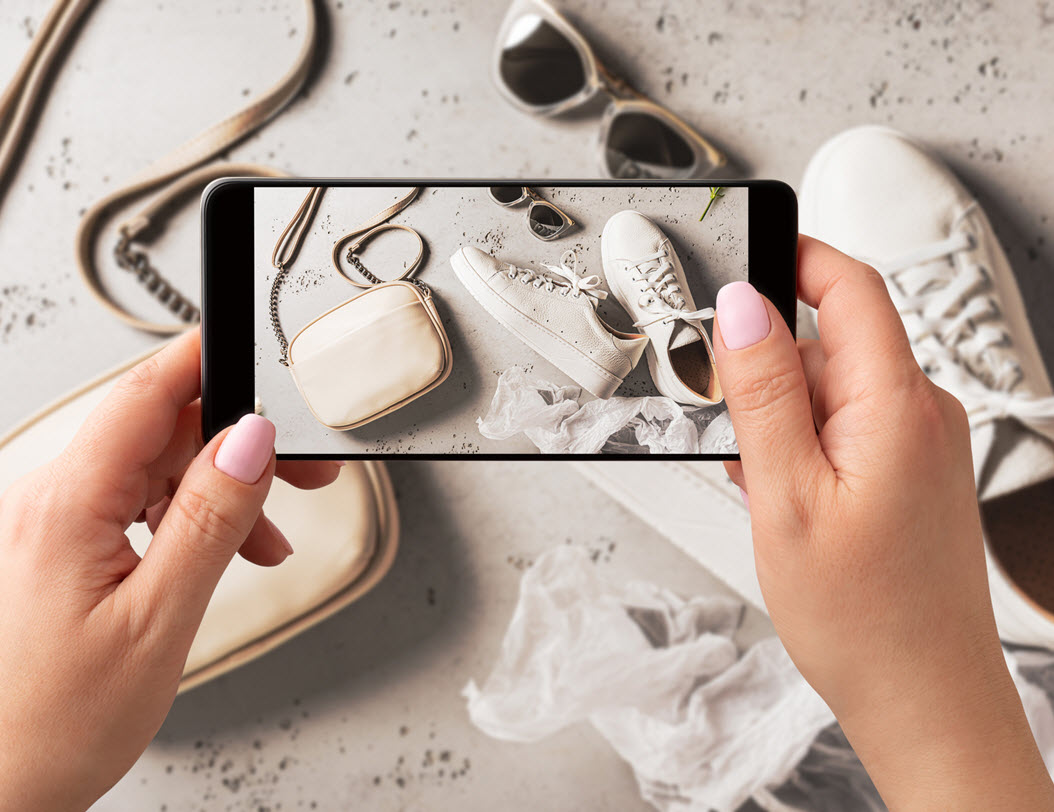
x=228, y=265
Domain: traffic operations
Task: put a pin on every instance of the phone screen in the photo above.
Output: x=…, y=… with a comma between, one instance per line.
x=500, y=319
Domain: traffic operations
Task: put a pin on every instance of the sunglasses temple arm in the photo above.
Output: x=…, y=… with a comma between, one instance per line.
x=538, y=198
x=618, y=86
x=622, y=89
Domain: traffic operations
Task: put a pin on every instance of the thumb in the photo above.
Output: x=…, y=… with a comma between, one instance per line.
x=764, y=383
x=216, y=505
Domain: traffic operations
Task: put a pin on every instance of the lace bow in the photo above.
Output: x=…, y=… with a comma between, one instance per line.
x=589, y=285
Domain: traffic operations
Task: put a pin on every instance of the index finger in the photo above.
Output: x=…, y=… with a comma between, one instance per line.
x=110, y=453
x=854, y=309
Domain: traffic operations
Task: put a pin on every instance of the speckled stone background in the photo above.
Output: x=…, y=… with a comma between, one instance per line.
x=713, y=252
x=363, y=711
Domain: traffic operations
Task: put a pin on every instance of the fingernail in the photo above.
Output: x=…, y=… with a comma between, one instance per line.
x=247, y=448
x=745, y=498
x=341, y=463
x=281, y=538
x=741, y=315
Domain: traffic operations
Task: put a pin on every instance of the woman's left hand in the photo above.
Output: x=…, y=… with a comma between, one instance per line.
x=92, y=639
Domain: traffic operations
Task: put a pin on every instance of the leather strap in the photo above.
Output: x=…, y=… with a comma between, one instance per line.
x=27, y=85
x=175, y=173
x=376, y=220
x=292, y=238
x=355, y=246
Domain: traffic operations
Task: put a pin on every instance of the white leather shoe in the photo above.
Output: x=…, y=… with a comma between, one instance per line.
x=877, y=195
x=554, y=313
x=645, y=276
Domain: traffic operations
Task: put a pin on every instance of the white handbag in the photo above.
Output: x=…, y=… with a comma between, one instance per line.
x=373, y=353
x=345, y=534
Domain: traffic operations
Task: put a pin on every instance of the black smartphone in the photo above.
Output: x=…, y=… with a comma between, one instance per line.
x=474, y=318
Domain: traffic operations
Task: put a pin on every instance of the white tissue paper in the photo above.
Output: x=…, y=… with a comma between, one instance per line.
x=553, y=419
x=660, y=677
x=703, y=725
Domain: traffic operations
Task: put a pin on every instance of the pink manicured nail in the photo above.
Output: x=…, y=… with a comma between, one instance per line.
x=741, y=315
x=246, y=450
x=745, y=498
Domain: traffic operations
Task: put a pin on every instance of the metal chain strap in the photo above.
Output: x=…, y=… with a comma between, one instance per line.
x=137, y=262
x=283, y=344
x=369, y=277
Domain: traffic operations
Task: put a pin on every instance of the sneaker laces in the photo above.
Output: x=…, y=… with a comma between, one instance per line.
x=562, y=278
x=661, y=295
x=957, y=331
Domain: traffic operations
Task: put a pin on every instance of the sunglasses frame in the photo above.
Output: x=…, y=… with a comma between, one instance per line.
x=527, y=193
x=624, y=97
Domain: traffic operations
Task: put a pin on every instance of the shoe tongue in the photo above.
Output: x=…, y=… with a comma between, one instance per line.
x=683, y=334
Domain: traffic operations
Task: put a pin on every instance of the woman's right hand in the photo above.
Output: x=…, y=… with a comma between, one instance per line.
x=867, y=539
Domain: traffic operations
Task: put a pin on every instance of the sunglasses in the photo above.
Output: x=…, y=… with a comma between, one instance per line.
x=545, y=221
x=542, y=65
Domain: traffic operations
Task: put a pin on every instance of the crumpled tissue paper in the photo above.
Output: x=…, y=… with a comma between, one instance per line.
x=703, y=725
x=553, y=419
x=661, y=679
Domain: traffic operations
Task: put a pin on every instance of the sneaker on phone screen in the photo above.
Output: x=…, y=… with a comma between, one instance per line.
x=645, y=275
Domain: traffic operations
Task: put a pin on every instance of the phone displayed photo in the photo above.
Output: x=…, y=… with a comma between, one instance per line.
x=482, y=318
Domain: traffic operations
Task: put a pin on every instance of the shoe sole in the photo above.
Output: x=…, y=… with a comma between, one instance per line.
x=578, y=366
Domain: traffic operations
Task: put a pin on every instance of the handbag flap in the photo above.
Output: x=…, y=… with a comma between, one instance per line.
x=368, y=354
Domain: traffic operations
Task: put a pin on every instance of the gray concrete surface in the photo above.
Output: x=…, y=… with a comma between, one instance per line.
x=713, y=252
x=402, y=89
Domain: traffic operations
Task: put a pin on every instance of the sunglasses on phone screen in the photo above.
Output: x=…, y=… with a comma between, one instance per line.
x=544, y=220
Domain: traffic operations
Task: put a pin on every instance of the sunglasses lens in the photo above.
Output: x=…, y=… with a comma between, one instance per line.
x=545, y=221
x=539, y=64
x=644, y=146
x=506, y=194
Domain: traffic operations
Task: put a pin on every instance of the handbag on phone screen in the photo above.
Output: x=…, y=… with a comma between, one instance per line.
x=373, y=353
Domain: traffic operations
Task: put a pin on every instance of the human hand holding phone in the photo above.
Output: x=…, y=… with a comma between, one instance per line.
x=867, y=539
x=93, y=639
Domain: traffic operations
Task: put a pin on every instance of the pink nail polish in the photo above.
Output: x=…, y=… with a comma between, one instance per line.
x=741, y=315
x=746, y=499
x=247, y=448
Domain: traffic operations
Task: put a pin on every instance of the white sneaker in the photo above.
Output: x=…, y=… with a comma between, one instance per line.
x=554, y=313
x=646, y=277
x=875, y=194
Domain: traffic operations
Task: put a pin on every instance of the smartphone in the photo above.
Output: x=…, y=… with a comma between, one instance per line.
x=482, y=318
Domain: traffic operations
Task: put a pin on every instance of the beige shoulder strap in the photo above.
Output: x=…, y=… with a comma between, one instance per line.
x=371, y=226
x=176, y=170
x=372, y=280
x=292, y=237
